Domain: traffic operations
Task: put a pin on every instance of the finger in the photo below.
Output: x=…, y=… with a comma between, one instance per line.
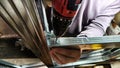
x=62, y=59
x=65, y=59
x=55, y=57
x=68, y=52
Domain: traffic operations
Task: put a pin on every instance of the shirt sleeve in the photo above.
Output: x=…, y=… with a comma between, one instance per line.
x=98, y=26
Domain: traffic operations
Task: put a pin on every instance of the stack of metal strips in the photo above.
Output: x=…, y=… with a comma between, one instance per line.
x=23, y=17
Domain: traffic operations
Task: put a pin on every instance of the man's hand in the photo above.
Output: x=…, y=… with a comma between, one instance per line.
x=63, y=55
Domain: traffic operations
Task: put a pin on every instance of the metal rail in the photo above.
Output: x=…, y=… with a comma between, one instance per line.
x=23, y=17
x=87, y=40
x=112, y=41
x=9, y=64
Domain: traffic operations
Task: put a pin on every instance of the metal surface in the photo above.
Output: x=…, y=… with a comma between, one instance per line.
x=112, y=41
x=9, y=64
x=35, y=65
x=95, y=57
x=23, y=17
x=6, y=31
x=101, y=56
x=67, y=41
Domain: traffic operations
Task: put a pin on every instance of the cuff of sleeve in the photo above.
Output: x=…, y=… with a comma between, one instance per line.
x=81, y=35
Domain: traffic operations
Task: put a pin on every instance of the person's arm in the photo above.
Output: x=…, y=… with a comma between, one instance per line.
x=99, y=25
x=96, y=28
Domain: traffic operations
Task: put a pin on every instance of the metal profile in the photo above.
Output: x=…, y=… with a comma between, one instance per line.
x=112, y=40
x=23, y=17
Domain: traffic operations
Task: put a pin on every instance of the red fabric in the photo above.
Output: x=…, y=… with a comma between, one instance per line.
x=61, y=7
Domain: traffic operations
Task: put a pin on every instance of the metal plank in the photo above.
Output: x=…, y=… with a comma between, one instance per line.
x=67, y=41
x=9, y=64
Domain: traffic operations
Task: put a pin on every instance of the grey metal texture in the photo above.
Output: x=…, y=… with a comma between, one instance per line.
x=23, y=17
x=10, y=65
x=68, y=41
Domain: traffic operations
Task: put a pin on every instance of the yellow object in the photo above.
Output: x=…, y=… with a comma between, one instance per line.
x=96, y=46
x=117, y=18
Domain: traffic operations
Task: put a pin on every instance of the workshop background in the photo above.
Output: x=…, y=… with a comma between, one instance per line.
x=17, y=50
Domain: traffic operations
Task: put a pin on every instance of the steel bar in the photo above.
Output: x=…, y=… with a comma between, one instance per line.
x=9, y=64
x=68, y=41
x=23, y=17
x=9, y=36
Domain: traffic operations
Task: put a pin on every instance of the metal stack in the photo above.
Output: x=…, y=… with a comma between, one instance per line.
x=27, y=18
x=23, y=17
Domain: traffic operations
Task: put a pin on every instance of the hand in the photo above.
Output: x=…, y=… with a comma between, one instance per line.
x=63, y=55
